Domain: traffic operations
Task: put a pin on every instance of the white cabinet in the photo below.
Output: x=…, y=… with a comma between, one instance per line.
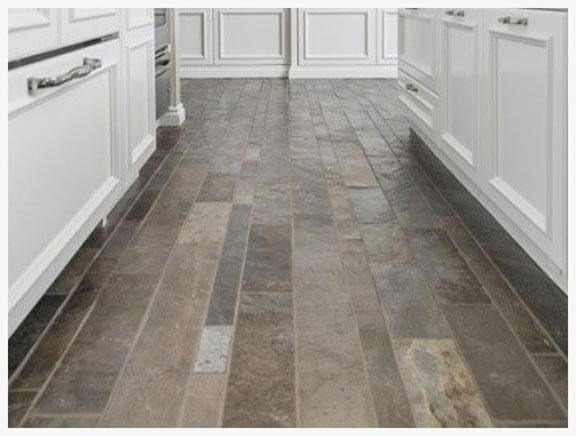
x=35, y=30
x=336, y=36
x=31, y=30
x=526, y=121
x=137, y=41
x=196, y=32
x=417, y=44
x=500, y=121
x=459, y=77
x=64, y=155
x=81, y=24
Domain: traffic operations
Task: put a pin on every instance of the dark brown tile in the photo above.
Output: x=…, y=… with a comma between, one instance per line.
x=62, y=421
x=261, y=391
x=83, y=381
x=217, y=188
x=18, y=405
x=269, y=259
x=523, y=323
x=72, y=273
x=510, y=384
x=31, y=328
x=555, y=370
x=226, y=285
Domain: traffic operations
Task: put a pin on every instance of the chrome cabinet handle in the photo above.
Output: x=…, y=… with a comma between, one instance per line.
x=411, y=87
x=514, y=21
x=88, y=65
x=455, y=13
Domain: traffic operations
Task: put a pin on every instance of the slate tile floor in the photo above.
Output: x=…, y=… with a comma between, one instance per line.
x=294, y=256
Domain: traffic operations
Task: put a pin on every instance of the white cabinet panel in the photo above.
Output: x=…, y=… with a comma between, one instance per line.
x=80, y=24
x=195, y=36
x=251, y=35
x=459, y=71
x=31, y=31
x=65, y=171
x=417, y=44
x=387, y=36
x=526, y=121
x=337, y=36
x=139, y=17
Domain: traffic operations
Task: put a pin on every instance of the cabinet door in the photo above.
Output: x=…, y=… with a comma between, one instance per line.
x=417, y=44
x=459, y=86
x=31, y=30
x=251, y=36
x=137, y=38
x=81, y=24
x=336, y=36
x=387, y=36
x=526, y=116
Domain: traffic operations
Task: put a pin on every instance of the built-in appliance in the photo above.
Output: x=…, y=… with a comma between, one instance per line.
x=162, y=60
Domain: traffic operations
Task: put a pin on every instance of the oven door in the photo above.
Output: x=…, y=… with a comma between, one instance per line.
x=162, y=86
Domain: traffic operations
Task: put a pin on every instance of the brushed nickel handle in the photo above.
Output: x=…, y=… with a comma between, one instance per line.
x=411, y=87
x=455, y=13
x=88, y=65
x=514, y=21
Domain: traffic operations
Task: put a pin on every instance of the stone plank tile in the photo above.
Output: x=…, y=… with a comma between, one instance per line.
x=72, y=273
x=523, y=323
x=217, y=188
x=444, y=268
x=510, y=384
x=441, y=390
x=342, y=211
x=555, y=370
x=223, y=300
x=63, y=421
x=18, y=404
x=272, y=205
x=31, y=328
x=261, y=391
x=54, y=343
x=370, y=205
x=269, y=259
x=205, y=400
x=151, y=388
x=83, y=381
x=213, y=350
x=309, y=194
x=390, y=401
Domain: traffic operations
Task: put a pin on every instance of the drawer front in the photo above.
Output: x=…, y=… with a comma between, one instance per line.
x=81, y=24
x=63, y=146
x=418, y=101
x=31, y=31
x=417, y=44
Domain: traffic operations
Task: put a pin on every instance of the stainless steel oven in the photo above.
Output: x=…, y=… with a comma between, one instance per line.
x=163, y=59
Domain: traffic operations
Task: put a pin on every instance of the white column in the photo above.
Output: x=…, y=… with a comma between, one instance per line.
x=176, y=113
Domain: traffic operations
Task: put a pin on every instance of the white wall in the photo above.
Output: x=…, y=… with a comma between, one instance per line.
x=298, y=43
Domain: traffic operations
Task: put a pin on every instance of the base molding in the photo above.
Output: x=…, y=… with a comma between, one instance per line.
x=288, y=71
x=174, y=117
x=343, y=72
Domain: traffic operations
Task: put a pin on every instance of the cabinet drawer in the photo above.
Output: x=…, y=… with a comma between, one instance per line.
x=418, y=100
x=63, y=145
x=417, y=44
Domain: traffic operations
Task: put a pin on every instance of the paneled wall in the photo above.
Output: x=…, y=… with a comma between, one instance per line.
x=297, y=43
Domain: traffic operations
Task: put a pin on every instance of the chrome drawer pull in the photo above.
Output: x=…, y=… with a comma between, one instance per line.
x=455, y=13
x=88, y=65
x=514, y=21
x=411, y=87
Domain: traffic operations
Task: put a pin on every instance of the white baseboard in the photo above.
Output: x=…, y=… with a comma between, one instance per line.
x=174, y=117
x=343, y=72
x=287, y=71
x=233, y=71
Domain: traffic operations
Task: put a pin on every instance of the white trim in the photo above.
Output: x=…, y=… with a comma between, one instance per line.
x=233, y=71
x=174, y=117
x=343, y=72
